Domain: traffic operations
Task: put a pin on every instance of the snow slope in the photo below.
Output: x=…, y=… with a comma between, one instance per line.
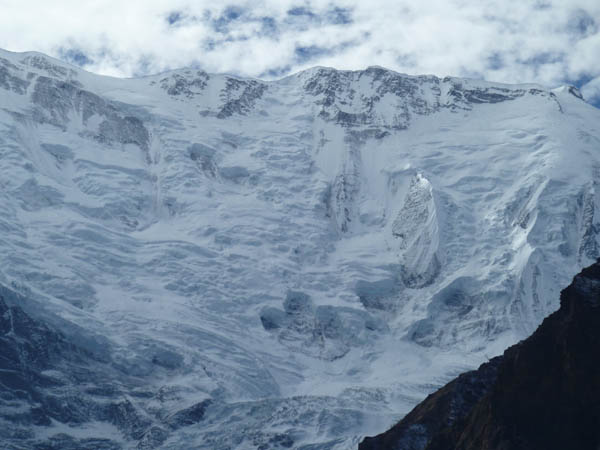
x=286, y=264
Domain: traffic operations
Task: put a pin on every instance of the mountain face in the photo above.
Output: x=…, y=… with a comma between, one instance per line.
x=542, y=393
x=191, y=260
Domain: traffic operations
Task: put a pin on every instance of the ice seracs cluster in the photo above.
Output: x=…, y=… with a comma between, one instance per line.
x=234, y=263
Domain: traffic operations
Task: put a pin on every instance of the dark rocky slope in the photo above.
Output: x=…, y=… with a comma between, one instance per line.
x=543, y=393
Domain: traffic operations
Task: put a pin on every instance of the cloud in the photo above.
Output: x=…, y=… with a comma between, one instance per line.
x=548, y=42
x=591, y=91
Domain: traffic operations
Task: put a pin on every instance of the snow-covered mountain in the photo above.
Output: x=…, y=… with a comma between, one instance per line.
x=192, y=260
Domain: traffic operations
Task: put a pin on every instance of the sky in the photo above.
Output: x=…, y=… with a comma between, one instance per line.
x=512, y=41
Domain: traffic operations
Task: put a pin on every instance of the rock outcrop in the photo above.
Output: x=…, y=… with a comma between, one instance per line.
x=543, y=393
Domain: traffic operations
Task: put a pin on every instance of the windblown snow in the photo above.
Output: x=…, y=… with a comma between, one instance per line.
x=287, y=264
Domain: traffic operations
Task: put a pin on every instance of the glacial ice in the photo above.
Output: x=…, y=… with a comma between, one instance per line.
x=290, y=264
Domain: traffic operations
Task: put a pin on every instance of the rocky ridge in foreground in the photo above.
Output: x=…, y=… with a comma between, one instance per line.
x=543, y=393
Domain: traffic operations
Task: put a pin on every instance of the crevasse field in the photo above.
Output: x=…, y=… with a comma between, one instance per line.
x=192, y=260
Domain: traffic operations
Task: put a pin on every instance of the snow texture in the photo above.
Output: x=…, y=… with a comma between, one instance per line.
x=285, y=264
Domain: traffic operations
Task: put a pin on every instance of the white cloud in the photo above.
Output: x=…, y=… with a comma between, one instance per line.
x=591, y=91
x=547, y=42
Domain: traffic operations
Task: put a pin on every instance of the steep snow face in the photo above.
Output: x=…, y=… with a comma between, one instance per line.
x=276, y=264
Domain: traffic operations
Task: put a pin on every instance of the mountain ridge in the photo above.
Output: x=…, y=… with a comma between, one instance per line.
x=540, y=394
x=315, y=256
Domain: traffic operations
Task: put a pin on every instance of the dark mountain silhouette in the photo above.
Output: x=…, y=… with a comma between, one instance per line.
x=542, y=393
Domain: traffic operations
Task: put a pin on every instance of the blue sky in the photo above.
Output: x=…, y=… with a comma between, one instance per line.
x=542, y=41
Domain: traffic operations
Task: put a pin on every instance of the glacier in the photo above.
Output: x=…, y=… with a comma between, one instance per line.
x=193, y=260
